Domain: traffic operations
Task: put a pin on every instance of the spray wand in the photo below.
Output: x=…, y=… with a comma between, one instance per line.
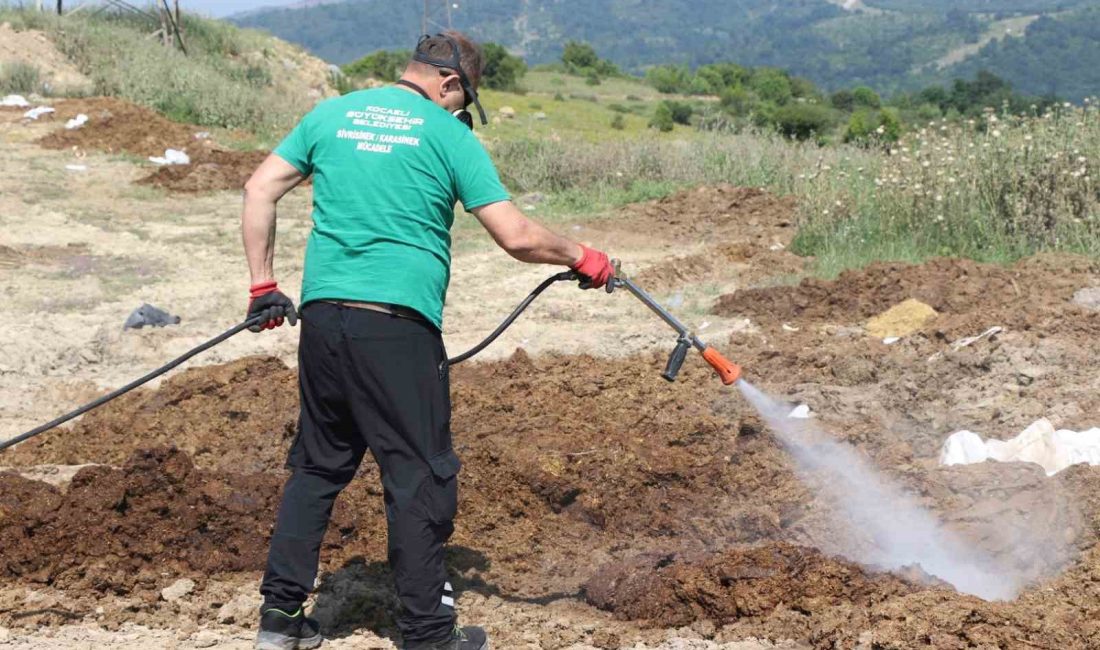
x=728, y=371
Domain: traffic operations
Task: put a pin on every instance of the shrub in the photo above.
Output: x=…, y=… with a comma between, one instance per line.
x=662, y=118
x=681, y=111
x=617, y=122
x=19, y=77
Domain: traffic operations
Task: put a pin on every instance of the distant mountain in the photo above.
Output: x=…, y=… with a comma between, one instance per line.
x=887, y=44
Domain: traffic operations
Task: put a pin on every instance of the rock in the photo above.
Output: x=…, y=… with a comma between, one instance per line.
x=205, y=639
x=151, y=316
x=242, y=609
x=1089, y=298
x=540, y=116
x=177, y=590
x=5, y=634
x=507, y=112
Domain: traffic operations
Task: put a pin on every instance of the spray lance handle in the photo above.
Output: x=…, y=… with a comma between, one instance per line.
x=676, y=359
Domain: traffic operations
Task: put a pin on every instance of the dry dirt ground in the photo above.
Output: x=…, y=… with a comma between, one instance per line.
x=601, y=507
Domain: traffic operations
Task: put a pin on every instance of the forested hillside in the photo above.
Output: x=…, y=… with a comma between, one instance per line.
x=890, y=45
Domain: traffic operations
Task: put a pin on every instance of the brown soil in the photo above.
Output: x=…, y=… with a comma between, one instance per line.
x=736, y=584
x=670, y=503
x=212, y=170
x=965, y=293
x=745, y=232
x=118, y=126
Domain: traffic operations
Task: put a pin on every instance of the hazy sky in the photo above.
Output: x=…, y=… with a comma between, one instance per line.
x=219, y=8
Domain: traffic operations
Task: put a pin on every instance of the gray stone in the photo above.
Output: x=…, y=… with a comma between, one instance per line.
x=242, y=609
x=205, y=639
x=1089, y=298
x=177, y=590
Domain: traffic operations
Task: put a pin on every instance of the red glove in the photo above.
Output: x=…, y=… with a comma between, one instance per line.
x=594, y=266
x=267, y=302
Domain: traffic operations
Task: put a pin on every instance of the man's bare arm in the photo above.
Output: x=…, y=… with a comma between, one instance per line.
x=271, y=180
x=524, y=239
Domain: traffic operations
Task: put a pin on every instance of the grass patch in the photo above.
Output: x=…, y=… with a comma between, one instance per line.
x=225, y=80
x=993, y=190
x=20, y=78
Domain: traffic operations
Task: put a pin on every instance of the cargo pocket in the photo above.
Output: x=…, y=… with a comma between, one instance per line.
x=443, y=487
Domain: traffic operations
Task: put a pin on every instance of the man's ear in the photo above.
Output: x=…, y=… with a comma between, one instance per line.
x=452, y=84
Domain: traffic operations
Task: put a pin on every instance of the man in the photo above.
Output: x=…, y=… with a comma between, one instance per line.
x=388, y=166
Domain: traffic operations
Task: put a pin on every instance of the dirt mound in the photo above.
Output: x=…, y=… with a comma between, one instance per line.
x=118, y=126
x=212, y=170
x=712, y=212
x=33, y=47
x=208, y=412
x=118, y=529
x=1015, y=296
x=672, y=590
x=747, y=231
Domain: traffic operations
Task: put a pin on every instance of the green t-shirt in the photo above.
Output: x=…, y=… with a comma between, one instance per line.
x=388, y=167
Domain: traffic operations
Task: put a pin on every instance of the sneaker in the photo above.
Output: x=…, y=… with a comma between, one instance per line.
x=280, y=630
x=465, y=638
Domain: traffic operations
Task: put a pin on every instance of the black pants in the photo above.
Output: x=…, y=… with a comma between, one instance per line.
x=379, y=382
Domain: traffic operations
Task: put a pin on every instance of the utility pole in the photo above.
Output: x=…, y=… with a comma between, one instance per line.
x=437, y=15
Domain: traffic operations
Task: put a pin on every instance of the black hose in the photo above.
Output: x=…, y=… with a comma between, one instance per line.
x=236, y=329
x=565, y=276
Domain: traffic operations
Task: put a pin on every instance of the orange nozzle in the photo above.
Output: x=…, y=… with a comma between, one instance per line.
x=727, y=370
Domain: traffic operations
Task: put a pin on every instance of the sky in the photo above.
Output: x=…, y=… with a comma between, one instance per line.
x=220, y=8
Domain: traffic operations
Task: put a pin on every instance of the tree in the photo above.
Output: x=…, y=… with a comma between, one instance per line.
x=502, y=69
x=803, y=121
x=772, y=85
x=669, y=78
x=384, y=65
x=842, y=100
x=865, y=97
x=579, y=56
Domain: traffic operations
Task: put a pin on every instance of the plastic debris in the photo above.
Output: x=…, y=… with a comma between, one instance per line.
x=38, y=112
x=18, y=101
x=171, y=157
x=1040, y=443
x=800, y=412
x=77, y=122
x=971, y=340
x=151, y=316
x=77, y=168
x=890, y=340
